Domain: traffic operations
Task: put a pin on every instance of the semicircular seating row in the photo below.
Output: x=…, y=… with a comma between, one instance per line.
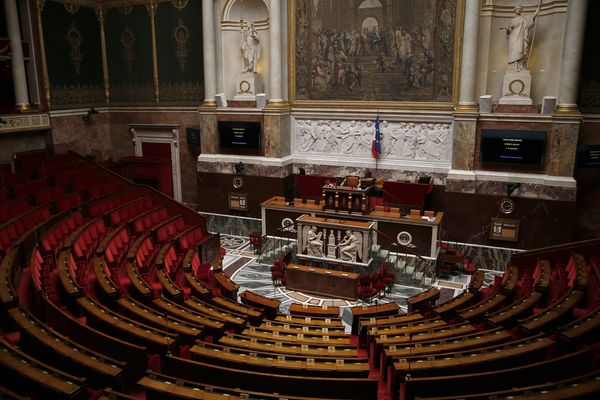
x=112, y=290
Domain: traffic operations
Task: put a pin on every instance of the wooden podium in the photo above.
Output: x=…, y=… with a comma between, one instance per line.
x=351, y=196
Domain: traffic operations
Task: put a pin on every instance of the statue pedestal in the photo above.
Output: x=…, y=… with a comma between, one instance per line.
x=248, y=85
x=516, y=88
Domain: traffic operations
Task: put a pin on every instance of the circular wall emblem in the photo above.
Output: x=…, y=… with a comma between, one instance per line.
x=238, y=182
x=287, y=225
x=244, y=87
x=404, y=238
x=516, y=87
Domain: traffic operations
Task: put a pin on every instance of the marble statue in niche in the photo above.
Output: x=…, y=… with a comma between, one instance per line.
x=518, y=34
x=249, y=46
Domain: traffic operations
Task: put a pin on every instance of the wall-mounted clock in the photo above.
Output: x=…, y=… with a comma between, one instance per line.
x=506, y=206
x=238, y=182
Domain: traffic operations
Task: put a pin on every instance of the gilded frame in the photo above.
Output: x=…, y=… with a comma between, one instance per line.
x=401, y=105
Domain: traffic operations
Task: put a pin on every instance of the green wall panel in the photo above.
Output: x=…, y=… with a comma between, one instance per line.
x=73, y=55
x=129, y=56
x=179, y=51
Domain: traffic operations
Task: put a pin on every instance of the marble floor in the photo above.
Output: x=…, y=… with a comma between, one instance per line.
x=241, y=265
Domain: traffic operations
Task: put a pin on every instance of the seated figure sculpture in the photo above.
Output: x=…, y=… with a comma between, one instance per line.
x=314, y=243
x=349, y=246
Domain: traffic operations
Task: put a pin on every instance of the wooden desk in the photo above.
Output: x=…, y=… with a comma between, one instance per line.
x=375, y=311
x=270, y=306
x=423, y=301
x=41, y=377
x=476, y=281
x=557, y=312
x=316, y=321
x=253, y=315
x=577, y=329
x=469, y=361
x=275, y=346
x=506, y=316
x=314, y=311
x=424, y=233
x=449, y=308
x=294, y=385
x=322, y=282
x=40, y=338
x=228, y=287
x=366, y=323
x=477, y=311
x=511, y=281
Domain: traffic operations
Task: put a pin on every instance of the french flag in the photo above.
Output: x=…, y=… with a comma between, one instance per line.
x=376, y=145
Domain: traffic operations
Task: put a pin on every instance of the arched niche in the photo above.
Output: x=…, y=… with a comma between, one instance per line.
x=233, y=11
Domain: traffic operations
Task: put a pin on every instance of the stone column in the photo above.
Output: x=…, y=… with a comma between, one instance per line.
x=275, y=76
x=571, y=57
x=208, y=43
x=17, y=62
x=468, y=68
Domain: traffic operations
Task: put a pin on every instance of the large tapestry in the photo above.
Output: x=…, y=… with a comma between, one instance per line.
x=374, y=50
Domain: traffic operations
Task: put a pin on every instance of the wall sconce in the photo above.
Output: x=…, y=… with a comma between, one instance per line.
x=88, y=117
x=511, y=188
x=239, y=168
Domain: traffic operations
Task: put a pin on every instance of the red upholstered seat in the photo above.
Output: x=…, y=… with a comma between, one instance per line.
x=365, y=289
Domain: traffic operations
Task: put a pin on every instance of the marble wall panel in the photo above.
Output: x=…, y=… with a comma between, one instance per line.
x=209, y=140
x=276, y=135
x=20, y=141
x=463, y=146
x=563, y=149
x=87, y=137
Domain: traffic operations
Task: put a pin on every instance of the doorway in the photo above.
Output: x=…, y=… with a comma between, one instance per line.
x=158, y=145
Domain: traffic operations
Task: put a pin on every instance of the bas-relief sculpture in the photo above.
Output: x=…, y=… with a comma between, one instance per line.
x=400, y=140
x=348, y=248
x=374, y=50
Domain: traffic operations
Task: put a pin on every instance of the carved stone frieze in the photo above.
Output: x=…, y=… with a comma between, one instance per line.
x=28, y=122
x=400, y=140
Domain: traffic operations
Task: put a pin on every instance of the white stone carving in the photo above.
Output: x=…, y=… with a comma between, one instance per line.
x=351, y=246
x=314, y=243
x=400, y=140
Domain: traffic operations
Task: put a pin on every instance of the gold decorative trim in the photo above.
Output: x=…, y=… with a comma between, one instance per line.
x=74, y=38
x=77, y=96
x=71, y=8
x=563, y=110
x=151, y=7
x=181, y=93
x=45, y=79
x=125, y=10
x=179, y=4
x=101, y=14
x=181, y=34
x=24, y=123
x=467, y=108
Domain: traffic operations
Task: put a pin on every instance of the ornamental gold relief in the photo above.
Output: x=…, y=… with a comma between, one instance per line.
x=128, y=41
x=181, y=35
x=74, y=38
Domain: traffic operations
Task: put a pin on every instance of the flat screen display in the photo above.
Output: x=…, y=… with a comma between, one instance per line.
x=513, y=147
x=239, y=135
x=588, y=156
